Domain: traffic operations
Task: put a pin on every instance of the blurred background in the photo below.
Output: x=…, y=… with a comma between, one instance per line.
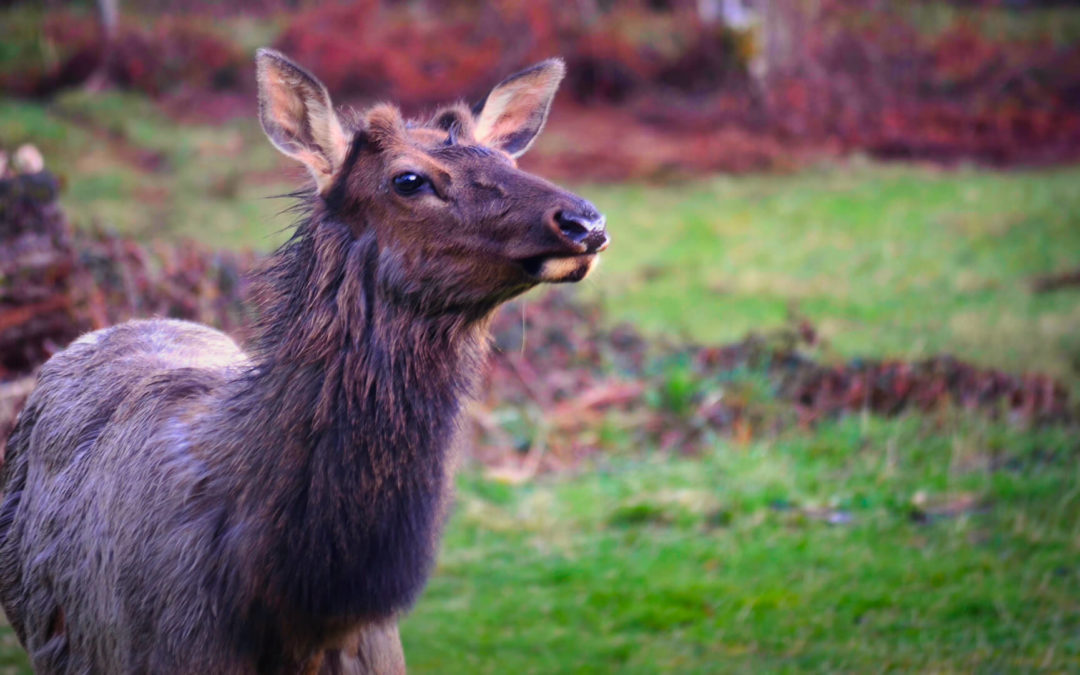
x=815, y=411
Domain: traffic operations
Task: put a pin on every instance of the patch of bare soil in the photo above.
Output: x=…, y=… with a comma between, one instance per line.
x=628, y=142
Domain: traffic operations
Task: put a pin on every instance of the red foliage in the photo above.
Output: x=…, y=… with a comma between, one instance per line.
x=173, y=50
x=428, y=53
x=863, y=77
x=151, y=56
x=69, y=53
x=56, y=283
x=872, y=81
x=368, y=50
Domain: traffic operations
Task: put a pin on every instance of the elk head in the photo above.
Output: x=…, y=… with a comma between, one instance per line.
x=456, y=223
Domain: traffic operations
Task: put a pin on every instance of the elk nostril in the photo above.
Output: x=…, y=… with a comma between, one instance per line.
x=573, y=226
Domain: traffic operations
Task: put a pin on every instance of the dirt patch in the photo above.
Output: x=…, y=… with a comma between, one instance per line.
x=617, y=143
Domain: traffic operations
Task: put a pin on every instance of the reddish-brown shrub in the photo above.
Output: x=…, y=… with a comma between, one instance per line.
x=872, y=80
x=148, y=55
x=429, y=53
x=172, y=50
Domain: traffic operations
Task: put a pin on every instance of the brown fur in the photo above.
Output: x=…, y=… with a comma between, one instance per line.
x=173, y=504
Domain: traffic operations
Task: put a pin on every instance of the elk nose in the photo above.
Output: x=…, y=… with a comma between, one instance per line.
x=583, y=228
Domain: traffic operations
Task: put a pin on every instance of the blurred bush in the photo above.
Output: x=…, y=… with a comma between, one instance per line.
x=62, y=48
x=993, y=80
x=868, y=74
x=425, y=52
x=57, y=282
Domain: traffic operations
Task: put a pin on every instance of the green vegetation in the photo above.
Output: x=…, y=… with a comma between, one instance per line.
x=1060, y=25
x=885, y=260
x=128, y=167
x=942, y=543
x=23, y=45
x=809, y=552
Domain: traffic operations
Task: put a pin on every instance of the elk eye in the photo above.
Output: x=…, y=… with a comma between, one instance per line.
x=408, y=183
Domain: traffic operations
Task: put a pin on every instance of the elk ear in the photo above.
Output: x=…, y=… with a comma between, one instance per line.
x=297, y=116
x=515, y=111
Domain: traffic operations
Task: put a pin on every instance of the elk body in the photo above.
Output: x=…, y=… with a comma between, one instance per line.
x=173, y=504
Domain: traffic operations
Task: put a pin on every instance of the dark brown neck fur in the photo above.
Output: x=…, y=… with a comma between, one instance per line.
x=341, y=432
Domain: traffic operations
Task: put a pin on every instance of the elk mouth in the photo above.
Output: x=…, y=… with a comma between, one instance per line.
x=572, y=263
x=558, y=268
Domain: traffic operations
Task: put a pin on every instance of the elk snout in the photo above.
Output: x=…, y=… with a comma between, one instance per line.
x=580, y=233
x=584, y=227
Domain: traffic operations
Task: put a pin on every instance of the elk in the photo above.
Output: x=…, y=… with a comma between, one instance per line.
x=173, y=504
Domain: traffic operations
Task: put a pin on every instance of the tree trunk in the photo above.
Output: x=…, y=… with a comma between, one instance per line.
x=109, y=13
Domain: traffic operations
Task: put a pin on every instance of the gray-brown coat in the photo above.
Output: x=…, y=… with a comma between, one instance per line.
x=174, y=504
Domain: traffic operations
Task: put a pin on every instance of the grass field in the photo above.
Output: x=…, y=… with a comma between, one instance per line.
x=942, y=543
x=899, y=261
x=802, y=553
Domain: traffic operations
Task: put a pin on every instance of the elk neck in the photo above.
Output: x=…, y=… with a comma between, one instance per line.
x=343, y=425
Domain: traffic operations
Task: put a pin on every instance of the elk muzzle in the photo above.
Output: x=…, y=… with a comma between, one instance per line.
x=581, y=234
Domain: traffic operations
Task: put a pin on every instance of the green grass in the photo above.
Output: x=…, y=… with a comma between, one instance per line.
x=129, y=167
x=726, y=563
x=886, y=260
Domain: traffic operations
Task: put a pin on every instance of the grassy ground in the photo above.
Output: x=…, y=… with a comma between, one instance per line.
x=803, y=553
x=886, y=260
x=929, y=544
x=129, y=167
